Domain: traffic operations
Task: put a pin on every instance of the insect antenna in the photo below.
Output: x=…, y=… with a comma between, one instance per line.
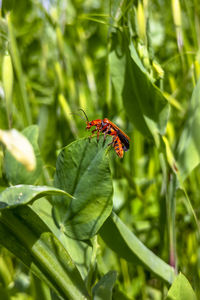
x=79, y=116
x=84, y=114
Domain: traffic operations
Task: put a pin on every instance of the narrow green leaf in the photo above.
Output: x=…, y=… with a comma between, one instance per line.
x=23, y=194
x=24, y=234
x=121, y=240
x=39, y=289
x=188, y=153
x=47, y=137
x=3, y=117
x=19, y=72
x=181, y=289
x=83, y=171
x=15, y=171
x=103, y=289
x=6, y=271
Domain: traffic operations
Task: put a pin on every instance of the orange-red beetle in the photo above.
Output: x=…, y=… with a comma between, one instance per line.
x=120, y=139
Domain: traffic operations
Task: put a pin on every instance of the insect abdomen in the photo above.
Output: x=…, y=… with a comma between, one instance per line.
x=118, y=147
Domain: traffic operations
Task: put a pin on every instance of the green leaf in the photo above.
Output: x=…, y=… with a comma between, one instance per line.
x=117, y=71
x=3, y=117
x=82, y=170
x=121, y=240
x=188, y=156
x=23, y=194
x=3, y=34
x=16, y=59
x=39, y=289
x=181, y=289
x=103, y=289
x=7, y=5
x=24, y=234
x=144, y=102
x=15, y=171
x=79, y=251
x=47, y=137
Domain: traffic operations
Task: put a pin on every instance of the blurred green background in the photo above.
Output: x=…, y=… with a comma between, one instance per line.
x=67, y=55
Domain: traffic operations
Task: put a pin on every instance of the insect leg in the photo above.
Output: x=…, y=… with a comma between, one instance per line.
x=106, y=132
x=93, y=132
x=97, y=135
x=113, y=141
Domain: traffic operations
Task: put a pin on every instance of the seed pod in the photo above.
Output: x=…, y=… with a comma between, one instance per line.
x=176, y=10
x=7, y=78
x=141, y=21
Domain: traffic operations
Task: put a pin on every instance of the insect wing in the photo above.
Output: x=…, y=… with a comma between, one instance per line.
x=124, y=140
x=119, y=130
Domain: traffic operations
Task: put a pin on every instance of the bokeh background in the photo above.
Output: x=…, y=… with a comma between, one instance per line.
x=67, y=55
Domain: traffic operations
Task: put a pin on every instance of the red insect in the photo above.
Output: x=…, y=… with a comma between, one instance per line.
x=120, y=140
x=118, y=146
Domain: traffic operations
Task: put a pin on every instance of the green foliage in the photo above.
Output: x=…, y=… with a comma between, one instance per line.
x=87, y=166
x=85, y=223
x=103, y=289
x=145, y=104
x=181, y=289
x=25, y=235
x=119, y=238
x=23, y=194
x=189, y=147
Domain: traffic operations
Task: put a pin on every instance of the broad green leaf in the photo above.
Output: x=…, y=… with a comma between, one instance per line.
x=181, y=289
x=121, y=240
x=103, y=289
x=144, y=102
x=24, y=234
x=82, y=170
x=79, y=251
x=188, y=153
x=23, y=194
x=15, y=171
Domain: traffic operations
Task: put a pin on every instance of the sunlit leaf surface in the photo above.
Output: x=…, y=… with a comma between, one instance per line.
x=83, y=171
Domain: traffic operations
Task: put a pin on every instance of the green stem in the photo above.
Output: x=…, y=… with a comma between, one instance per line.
x=18, y=68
